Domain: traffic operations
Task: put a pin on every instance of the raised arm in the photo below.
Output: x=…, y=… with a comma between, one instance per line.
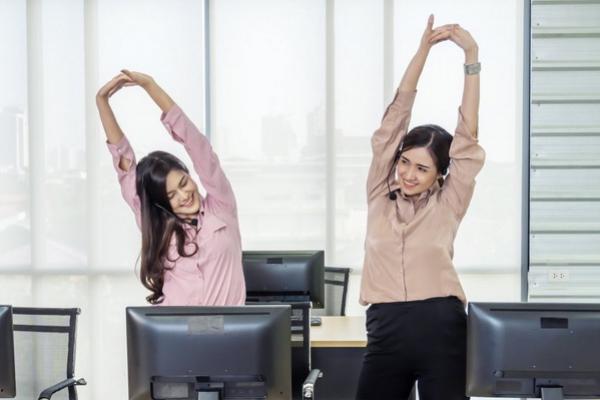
x=470, y=100
x=113, y=131
x=118, y=145
x=415, y=67
x=467, y=156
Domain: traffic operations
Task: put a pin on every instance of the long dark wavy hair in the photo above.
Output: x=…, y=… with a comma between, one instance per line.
x=435, y=139
x=158, y=221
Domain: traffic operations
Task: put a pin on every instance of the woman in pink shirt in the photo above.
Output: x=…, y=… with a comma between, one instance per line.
x=419, y=187
x=191, y=245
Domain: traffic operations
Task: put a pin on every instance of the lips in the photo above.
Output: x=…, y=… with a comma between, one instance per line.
x=409, y=185
x=189, y=202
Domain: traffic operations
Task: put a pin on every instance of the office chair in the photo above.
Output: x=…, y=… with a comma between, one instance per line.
x=336, y=289
x=45, y=353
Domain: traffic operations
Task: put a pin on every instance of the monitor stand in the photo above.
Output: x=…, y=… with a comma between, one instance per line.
x=552, y=393
x=242, y=387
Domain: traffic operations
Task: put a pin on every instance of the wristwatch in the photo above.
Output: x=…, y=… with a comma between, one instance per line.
x=472, y=69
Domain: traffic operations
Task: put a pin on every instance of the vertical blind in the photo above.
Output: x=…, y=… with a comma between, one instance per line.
x=564, y=150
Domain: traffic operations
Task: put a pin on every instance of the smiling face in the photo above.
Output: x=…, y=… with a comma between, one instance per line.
x=183, y=194
x=417, y=171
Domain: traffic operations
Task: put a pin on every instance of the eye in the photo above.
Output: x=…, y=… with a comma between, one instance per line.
x=422, y=169
x=183, y=183
x=404, y=161
x=170, y=196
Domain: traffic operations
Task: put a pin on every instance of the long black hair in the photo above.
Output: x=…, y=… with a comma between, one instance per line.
x=158, y=221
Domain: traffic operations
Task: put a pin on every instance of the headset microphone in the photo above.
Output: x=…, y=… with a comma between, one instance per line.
x=192, y=221
x=392, y=194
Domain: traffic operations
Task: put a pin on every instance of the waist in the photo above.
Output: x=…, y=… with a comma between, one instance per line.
x=413, y=303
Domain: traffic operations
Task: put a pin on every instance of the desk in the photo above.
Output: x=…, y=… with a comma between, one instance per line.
x=339, y=332
x=337, y=349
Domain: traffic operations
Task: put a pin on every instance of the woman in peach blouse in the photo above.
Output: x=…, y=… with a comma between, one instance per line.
x=419, y=187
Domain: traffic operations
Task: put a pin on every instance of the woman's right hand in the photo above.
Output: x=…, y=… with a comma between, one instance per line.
x=456, y=34
x=113, y=86
x=433, y=36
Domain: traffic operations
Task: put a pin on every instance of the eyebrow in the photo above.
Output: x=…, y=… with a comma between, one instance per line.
x=179, y=184
x=420, y=165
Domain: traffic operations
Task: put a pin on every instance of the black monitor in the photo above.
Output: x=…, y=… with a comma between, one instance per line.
x=209, y=353
x=7, y=354
x=533, y=350
x=285, y=276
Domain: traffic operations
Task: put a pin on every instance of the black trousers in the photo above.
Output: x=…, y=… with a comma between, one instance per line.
x=423, y=341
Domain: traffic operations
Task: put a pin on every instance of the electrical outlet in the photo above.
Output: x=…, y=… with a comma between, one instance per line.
x=558, y=276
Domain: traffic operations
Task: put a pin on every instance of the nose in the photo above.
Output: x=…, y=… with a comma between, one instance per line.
x=409, y=175
x=182, y=194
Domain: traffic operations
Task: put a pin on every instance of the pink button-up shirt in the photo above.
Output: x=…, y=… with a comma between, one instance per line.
x=213, y=276
x=410, y=242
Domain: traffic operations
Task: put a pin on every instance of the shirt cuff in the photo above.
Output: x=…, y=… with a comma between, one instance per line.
x=119, y=149
x=122, y=149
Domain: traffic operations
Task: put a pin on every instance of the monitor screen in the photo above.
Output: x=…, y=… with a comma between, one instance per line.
x=209, y=352
x=285, y=276
x=522, y=349
x=7, y=356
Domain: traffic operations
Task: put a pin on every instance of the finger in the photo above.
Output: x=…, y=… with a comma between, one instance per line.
x=444, y=27
x=441, y=32
x=440, y=36
x=115, y=89
x=128, y=73
x=436, y=41
x=117, y=79
x=430, y=22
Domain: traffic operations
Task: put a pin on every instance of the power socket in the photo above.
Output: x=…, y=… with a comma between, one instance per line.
x=558, y=276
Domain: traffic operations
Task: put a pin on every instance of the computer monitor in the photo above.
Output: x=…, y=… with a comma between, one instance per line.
x=7, y=354
x=209, y=353
x=285, y=276
x=533, y=350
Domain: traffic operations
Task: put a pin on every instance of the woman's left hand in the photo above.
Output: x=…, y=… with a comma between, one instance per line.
x=138, y=78
x=456, y=34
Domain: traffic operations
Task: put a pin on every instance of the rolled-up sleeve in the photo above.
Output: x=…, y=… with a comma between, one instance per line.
x=466, y=160
x=119, y=151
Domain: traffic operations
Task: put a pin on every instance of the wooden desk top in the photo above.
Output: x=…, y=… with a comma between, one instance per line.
x=339, y=332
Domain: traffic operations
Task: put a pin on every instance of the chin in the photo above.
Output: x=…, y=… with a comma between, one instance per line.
x=413, y=191
x=192, y=210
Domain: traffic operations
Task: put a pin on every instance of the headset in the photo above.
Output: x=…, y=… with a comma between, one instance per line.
x=392, y=194
x=193, y=221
